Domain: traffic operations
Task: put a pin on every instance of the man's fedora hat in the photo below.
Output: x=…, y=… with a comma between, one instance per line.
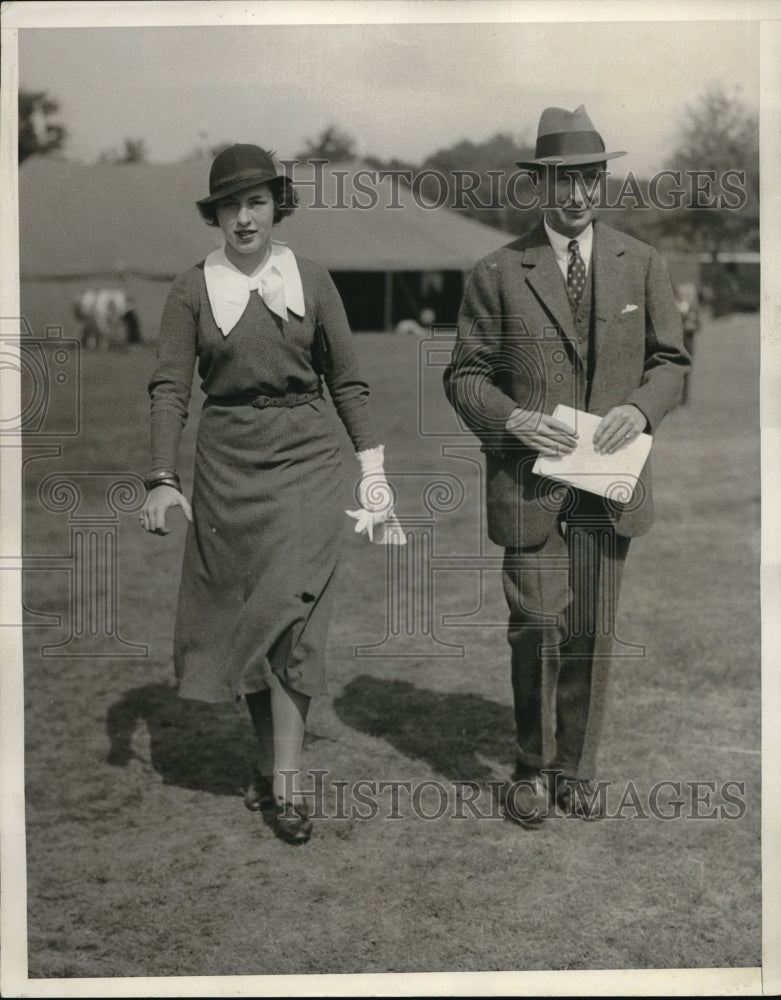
x=237, y=168
x=567, y=139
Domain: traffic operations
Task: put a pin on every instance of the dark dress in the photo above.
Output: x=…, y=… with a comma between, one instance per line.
x=268, y=514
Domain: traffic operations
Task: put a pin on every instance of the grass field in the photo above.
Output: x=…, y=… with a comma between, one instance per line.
x=142, y=859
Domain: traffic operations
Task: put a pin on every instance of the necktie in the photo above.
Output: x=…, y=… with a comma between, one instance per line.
x=576, y=272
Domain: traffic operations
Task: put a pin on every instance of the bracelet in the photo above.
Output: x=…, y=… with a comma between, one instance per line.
x=163, y=479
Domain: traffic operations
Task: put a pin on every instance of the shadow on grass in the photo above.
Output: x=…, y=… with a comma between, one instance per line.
x=450, y=732
x=191, y=744
x=211, y=748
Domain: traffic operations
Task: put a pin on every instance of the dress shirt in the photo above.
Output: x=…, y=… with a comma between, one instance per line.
x=561, y=243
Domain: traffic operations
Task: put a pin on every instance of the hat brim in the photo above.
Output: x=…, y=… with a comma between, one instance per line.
x=242, y=185
x=568, y=160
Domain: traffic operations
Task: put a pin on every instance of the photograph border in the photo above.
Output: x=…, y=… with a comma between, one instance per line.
x=13, y=904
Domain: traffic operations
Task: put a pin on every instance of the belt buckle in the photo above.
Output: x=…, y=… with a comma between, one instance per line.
x=260, y=402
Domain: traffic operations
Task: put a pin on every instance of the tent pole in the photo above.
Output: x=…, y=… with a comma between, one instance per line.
x=387, y=314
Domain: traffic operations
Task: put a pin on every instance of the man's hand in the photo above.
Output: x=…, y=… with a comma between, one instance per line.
x=541, y=432
x=618, y=427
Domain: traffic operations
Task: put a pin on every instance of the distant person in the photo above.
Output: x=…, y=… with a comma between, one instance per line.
x=416, y=328
x=725, y=288
x=265, y=328
x=576, y=313
x=101, y=312
x=687, y=300
x=84, y=311
x=131, y=322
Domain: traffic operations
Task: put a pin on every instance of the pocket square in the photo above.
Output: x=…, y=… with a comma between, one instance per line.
x=628, y=309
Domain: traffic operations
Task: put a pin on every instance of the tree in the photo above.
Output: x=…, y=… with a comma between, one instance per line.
x=718, y=135
x=206, y=150
x=37, y=134
x=332, y=144
x=494, y=160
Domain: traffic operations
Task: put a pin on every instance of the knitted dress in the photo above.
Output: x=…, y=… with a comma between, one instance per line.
x=268, y=515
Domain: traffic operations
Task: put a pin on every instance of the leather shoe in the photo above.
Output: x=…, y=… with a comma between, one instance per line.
x=260, y=794
x=292, y=823
x=525, y=799
x=577, y=797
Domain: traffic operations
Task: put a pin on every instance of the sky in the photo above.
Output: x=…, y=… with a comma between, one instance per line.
x=401, y=90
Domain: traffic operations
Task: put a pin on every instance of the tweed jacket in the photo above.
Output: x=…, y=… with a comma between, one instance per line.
x=517, y=346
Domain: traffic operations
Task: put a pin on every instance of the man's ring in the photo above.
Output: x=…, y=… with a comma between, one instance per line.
x=629, y=434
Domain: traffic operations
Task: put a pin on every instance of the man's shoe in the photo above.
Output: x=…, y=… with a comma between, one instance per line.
x=525, y=799
x=577, y=797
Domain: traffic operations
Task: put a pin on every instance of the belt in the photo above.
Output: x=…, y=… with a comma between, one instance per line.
x=288, y=399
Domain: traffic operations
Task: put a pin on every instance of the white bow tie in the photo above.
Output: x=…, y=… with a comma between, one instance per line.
x=271, y=286
x=278, y=282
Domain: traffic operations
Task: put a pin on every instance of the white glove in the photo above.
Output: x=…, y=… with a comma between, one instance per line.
x=375, y=516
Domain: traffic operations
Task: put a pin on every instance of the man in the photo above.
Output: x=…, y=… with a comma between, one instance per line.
x=580, y=314
x=686, y=297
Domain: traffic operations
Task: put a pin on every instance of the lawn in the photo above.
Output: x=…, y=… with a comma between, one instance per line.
x=141, y=857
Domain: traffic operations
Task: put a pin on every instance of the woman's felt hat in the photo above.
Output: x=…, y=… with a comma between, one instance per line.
x=237, y=168
x=567, y=139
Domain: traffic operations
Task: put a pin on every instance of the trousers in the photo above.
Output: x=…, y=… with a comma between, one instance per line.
x=562, y=597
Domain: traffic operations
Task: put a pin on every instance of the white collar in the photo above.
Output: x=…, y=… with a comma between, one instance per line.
x=277, y=281
x=561, y=243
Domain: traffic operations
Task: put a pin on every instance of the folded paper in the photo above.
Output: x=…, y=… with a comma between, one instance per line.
x=613, y=476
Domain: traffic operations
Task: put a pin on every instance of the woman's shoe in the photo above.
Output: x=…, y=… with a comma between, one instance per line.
x=292, y=823
x=260, y=794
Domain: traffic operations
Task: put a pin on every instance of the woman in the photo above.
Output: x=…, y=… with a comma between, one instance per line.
x=266, y=517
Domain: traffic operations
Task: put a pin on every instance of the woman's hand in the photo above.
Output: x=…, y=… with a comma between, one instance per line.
x=376, y=499
x=375, y=515
x=158, y=502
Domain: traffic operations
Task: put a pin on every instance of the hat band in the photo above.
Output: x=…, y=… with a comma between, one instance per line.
x=569, y=143
x=250, y=174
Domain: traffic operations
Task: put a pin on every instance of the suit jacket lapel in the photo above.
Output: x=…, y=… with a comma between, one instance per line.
x=545, y=278
x=608, y=259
